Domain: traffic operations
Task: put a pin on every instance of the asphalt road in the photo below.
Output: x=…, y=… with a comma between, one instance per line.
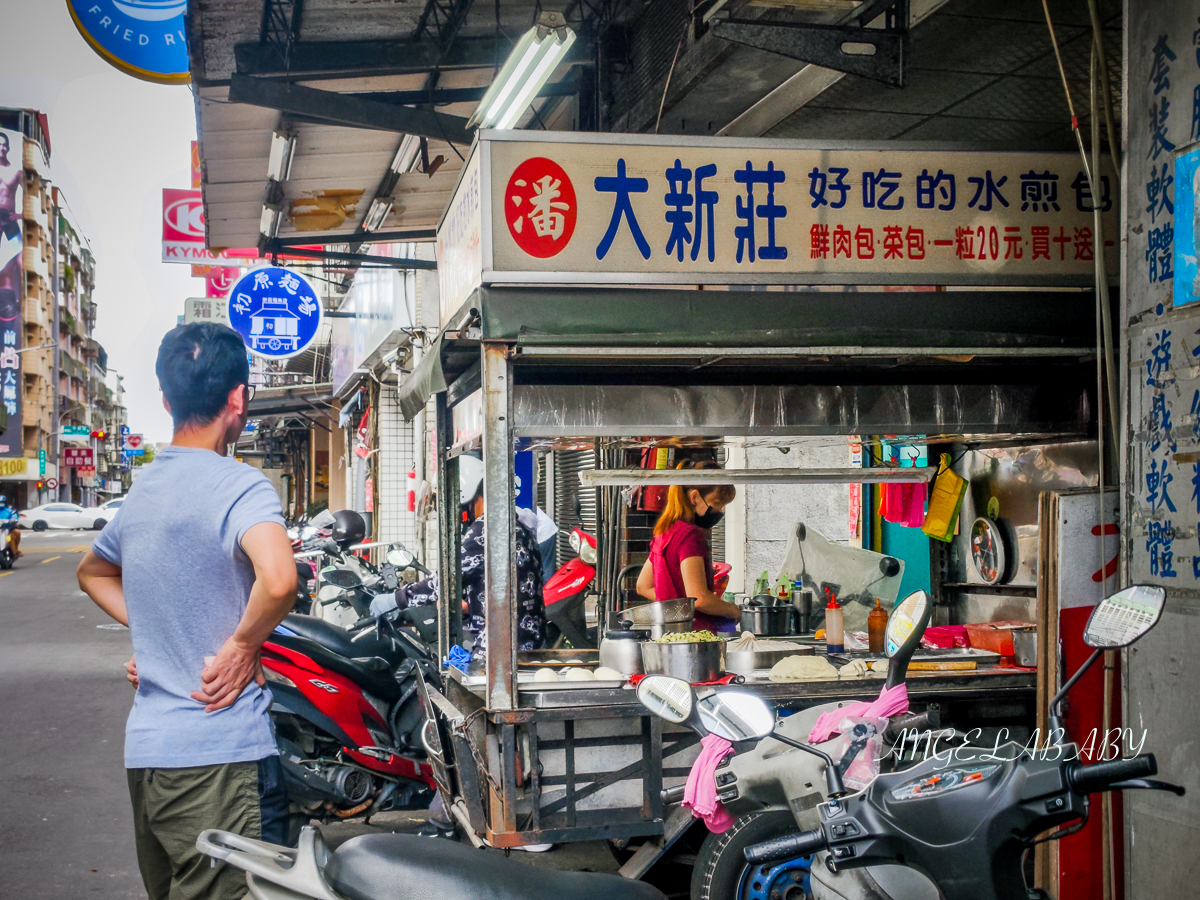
x=64, y=824
x=65, y=828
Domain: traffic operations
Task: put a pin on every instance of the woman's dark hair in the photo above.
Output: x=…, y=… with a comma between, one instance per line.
x=198, y=365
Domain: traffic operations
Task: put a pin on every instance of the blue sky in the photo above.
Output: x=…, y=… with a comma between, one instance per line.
x=116, y=143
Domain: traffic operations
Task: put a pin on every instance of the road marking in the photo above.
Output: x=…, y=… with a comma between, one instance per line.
x=2, y=574
x=78, y=549
x=50, y=559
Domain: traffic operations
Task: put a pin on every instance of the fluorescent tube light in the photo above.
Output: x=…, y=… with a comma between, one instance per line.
x=376, y=213
x=524, y=73
x=268, y=222
x=555, y=51
x=279, y=163
x=407, y=155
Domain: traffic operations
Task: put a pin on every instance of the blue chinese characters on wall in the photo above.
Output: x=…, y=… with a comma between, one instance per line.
x=276, y=311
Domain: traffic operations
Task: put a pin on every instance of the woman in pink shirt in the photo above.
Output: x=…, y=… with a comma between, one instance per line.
x=680, y=563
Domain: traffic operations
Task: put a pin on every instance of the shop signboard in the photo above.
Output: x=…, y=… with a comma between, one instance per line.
x=133, y=445
x=143, y=38
x=183, y=233
x=206, y=309
x=276, y=311
x=460, y=241
x=630, y=209
x=78, y=457
x=12, y=182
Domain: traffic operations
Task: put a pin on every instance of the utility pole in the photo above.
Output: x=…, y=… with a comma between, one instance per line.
x=54, y=289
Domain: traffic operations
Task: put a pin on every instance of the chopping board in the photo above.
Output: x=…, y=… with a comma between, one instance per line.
x=945, y=665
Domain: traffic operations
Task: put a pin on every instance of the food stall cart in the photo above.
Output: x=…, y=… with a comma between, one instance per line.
x=561, y=328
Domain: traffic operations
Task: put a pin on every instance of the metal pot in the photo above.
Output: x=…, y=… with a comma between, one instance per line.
x=1025, y=648
x=693, y=662
x=621, y=650
x=767, y=620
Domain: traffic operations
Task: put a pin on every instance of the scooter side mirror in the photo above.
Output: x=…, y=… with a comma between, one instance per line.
x=735, y=715
x=906, y=626
x=668, y=698
x=399, y=556
x=1119, y=620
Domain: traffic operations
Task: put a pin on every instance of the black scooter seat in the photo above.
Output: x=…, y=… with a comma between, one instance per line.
x=407, y=867
x=338, y=640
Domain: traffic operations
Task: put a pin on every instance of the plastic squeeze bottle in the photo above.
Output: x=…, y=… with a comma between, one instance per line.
x=877, y=620
x=834, y=642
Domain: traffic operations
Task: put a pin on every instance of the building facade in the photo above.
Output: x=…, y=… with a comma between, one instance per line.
x=53, y=373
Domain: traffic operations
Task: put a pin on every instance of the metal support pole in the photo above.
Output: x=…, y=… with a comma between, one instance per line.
x=450, y=560
x=499, y=559
x=54, y=368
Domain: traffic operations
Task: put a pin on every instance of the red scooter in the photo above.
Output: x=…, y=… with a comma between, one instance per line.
x=567, y=588
x=347, y=714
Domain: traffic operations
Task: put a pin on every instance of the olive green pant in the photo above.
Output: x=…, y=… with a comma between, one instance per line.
x=170, y=809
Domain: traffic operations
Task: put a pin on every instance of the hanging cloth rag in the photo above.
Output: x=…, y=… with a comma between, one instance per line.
x=903, y=504
x=700, y=794
x=890, y=702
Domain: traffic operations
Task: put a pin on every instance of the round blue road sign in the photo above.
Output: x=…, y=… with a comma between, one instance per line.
x=276, y=311
x=143, y=38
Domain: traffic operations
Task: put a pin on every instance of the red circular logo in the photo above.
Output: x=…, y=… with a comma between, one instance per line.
x=540, y=208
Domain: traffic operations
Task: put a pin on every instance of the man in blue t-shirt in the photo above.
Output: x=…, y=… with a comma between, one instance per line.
x=199, y=566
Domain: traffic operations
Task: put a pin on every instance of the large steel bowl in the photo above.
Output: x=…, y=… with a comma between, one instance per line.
x=695, y=663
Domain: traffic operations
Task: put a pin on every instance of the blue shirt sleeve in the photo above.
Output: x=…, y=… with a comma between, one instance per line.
x=108, y=545
x=258, y=503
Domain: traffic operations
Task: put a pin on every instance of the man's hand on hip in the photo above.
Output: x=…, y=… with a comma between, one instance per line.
x=224, y=679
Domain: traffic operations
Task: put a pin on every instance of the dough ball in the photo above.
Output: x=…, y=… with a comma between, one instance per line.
x=803, y=668
x=604, y=673
x=580, y=675
x=857, y=668
x=545, y=675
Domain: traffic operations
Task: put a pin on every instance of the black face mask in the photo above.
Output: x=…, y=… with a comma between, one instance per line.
x=708, y=519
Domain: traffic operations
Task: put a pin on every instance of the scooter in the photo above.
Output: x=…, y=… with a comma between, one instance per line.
x=347, y=714
x=962, y=822
x=773, y=790
x=8, y=555
x=566, y=590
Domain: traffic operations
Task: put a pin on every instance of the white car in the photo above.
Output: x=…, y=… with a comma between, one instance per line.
x=107, y=510
x=62, y=515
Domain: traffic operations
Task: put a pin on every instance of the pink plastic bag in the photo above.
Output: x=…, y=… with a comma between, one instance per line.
x=890, y=702
x=700, y=795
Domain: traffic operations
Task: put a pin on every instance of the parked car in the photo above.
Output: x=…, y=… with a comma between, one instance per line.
x=107, y=510
x=63, y=515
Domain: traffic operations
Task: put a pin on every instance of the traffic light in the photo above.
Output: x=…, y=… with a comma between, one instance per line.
x=100, y=434
x=41, y=485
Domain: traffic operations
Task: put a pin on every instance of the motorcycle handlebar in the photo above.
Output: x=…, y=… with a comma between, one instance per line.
x=786, y=847
x=1101, y=776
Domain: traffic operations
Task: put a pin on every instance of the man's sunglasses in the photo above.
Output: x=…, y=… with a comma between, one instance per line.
x=249, y=392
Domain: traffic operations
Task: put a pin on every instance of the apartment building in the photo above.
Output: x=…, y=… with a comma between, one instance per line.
x=53, y=373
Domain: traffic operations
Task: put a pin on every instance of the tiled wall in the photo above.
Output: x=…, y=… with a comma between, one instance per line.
x=396, y=523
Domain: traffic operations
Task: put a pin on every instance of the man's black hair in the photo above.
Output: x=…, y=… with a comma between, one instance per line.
x=198, y=365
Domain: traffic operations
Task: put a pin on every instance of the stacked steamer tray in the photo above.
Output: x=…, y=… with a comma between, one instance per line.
x=660, y=617
x=746, y=662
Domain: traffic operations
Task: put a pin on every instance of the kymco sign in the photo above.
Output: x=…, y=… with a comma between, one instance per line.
x=183, y=232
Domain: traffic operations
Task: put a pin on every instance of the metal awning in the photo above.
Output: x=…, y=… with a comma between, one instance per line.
x=349, y=79
x=981, y=354
x=305, y=398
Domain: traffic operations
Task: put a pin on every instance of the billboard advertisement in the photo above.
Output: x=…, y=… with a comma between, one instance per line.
x=183, y=233
x=11, y=200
